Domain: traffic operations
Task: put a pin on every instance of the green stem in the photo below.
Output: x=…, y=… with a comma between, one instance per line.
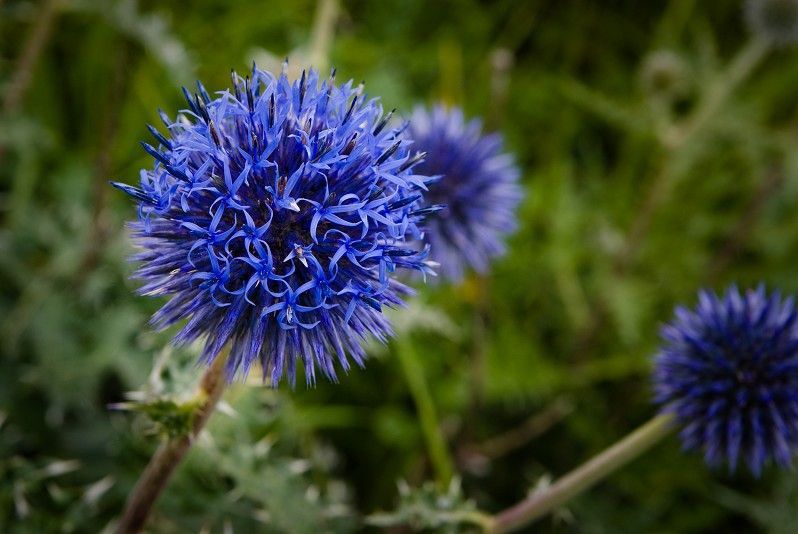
x=322, y=34
x=436, y=444
x=582, y=478
x=736, y=73
x=32, y=51
x=169, y=455
x=472, y=517
x=676, y=139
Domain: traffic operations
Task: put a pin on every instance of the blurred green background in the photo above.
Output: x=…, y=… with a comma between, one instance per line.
x=658, y=147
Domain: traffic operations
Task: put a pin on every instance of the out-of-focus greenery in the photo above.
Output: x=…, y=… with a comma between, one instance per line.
x=658, y=146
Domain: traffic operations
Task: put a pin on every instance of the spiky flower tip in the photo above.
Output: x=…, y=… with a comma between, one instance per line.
x=477, y=184
x=774, y=20
x=728, y=371
x=275, y=216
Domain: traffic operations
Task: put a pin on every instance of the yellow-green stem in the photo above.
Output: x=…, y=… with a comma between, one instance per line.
x=582, y=478
x=321, y=36
x=430, y=428
x=719, y=91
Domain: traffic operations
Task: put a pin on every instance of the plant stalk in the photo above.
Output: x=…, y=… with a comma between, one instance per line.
x=170, y=453
x=321, y=36
x=430, y=428
x=31, y=52
x=582, y=478
x=738, y=71
x=681, y=139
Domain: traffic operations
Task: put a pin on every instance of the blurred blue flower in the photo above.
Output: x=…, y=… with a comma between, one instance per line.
x=275, y=216
x=728, y=371
x=478, y=184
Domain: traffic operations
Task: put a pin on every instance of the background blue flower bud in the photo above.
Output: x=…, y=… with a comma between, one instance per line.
x=728, y=370
x=477, y=185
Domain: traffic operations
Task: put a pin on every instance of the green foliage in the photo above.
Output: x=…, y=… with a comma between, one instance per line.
x=263, y=477
x=428, y=508
x=658, y=149
x=777, y=513
x=173, y=419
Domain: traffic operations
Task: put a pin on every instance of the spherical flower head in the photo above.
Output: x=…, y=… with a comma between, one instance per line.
x=773, y=20
x=275, y=216
x=477, y=185
x=728, y=371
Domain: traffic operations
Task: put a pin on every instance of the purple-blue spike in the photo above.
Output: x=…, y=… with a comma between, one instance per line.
x=477, y=182
x=728, y=371
x=244, y=238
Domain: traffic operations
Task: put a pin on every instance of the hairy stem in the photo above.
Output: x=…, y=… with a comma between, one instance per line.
x=580, y=479
x=430, y=428
x=169, y=455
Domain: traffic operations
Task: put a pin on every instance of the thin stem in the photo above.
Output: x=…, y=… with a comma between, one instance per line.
x=678, y=140
x=655, y=197
x=768, y=187
x=473, y=517
x=436, y=444
x=23, y=72
x=501, y=63
x=322, y=34
x=736, y=73
x=477, y=364
x=31, y=52
x=169, y=455
x=530, y=429
x=585, y=476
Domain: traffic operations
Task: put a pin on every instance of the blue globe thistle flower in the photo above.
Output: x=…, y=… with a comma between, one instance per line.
x=728, y=371
x=275, y=216
x=478, y=184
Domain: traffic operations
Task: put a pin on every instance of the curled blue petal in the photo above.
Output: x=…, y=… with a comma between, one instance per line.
x=275, y=216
